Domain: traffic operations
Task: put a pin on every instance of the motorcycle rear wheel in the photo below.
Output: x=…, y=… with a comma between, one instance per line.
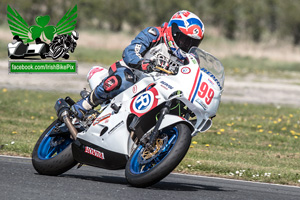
x=49, y=159
x=143, y=171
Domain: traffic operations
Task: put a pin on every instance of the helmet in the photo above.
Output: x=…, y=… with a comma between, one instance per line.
x=75, y=35
x=185, y=30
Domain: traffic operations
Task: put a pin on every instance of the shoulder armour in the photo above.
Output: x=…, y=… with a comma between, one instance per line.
x=152, y=31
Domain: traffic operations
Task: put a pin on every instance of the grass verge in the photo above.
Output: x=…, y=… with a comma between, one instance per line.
x=234, y=65
x=245, y=65
x=250, y=142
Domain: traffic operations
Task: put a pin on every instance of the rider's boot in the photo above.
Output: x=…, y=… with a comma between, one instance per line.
x=84, y=105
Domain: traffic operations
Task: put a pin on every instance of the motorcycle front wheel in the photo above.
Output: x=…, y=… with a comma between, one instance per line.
x=52, y=155
x=58, y=52
x=147, y=166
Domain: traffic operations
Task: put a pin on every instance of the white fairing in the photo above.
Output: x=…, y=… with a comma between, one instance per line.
x=200, y=90
x=115, y=138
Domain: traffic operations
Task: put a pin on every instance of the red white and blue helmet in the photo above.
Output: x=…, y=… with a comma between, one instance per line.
x=185, y=30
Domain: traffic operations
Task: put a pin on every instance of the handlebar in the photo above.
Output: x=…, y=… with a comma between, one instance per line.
x=164, y=70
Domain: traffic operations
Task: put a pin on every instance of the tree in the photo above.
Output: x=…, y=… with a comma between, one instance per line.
x=289, y=19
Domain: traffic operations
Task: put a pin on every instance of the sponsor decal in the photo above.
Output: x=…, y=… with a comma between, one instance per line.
x=101, y=118
x=94, y=152
x=166, y=85
x=117, y=126
x=194, y=60
x=185, y=70
x=134, y=89
x=211, y=82
x=196, y=31
x=137, y=49
x=144, y=102
x=201, y=103
x=212, y=76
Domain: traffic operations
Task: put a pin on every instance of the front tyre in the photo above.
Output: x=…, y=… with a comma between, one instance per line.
x=57, y=52
x=145, y=168
x=52, y=155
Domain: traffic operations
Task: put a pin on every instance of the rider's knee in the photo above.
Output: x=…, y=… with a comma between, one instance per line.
x=112, y=83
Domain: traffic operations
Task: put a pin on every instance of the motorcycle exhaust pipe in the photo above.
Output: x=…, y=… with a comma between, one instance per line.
x=67, y=120
x=62, y=110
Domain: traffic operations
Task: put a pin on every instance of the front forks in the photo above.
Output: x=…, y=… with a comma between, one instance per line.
x=154, y=133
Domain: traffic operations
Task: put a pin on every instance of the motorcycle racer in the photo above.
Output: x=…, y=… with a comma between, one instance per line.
x=166, y=45
x=70, y=40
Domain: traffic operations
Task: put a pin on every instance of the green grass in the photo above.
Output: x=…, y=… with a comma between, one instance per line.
x=245, y=142
x=234, y=65
x=249, y=142
x=241, y=66
x=103, y=56
x=24, y=115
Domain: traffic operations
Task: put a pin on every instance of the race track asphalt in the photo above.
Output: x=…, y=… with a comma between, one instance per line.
x=19, y=180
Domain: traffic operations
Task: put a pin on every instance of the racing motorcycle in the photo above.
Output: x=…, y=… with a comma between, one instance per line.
x=146, y=129
x=61, y=49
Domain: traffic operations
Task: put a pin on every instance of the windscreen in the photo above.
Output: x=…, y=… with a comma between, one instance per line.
x=210, y=65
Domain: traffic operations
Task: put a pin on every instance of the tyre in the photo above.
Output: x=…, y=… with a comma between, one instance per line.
x=52, y=155
x=58, y=51
x=147, y=167
x=43, y=55
x=66, y=56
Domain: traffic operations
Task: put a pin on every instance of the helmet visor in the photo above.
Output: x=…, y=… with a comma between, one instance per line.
x=183, y=41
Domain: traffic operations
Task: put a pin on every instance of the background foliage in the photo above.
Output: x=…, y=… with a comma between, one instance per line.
x=235, y=19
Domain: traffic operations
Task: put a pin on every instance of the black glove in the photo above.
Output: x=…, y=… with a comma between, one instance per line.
x=147, y=66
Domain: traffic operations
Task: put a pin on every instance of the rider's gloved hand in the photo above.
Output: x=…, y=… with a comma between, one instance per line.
x=147, y=66
x=81, y=107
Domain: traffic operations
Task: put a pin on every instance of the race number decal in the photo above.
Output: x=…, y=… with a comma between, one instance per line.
x=144, y=102
x=206, y=93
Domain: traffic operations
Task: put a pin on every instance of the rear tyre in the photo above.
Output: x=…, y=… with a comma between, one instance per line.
x=51, y=155
x=142, y=170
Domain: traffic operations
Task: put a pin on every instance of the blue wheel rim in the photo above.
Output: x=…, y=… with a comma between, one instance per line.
x=137, y=168
x=45, y=151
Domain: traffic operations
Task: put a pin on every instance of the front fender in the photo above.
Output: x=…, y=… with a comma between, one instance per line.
x=174, y=119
